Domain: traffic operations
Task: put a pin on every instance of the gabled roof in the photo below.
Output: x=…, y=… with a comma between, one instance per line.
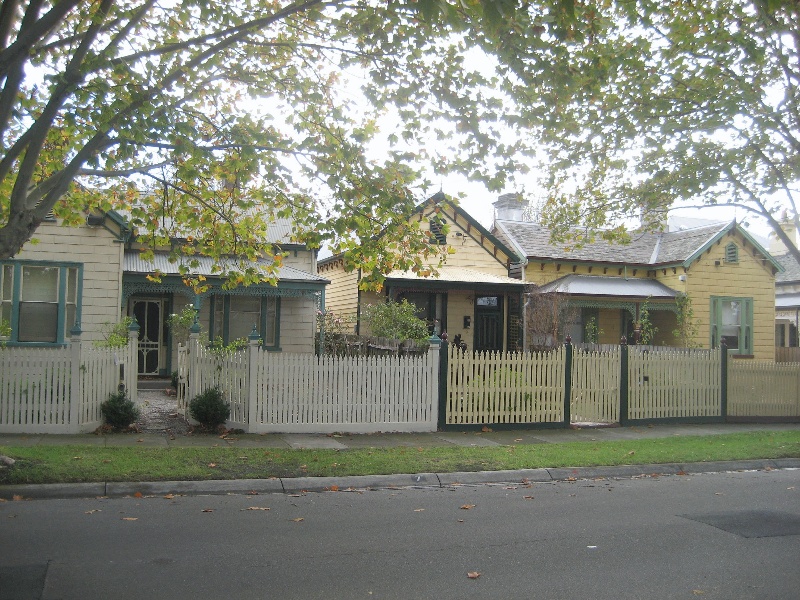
x=671, y=248
x=439, y=199
x=791, y=269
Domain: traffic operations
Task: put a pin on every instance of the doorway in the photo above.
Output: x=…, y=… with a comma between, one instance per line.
x=488, y=323
x=150, y=315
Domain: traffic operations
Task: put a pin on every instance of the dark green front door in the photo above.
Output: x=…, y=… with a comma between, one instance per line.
x=489, y=323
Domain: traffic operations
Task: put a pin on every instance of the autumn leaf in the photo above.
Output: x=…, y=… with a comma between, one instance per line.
x=467, y=506
x=256, y=508
x=473, y=574
x=334, y=488
x=252, y=493
x=91, y=512
x=527, y=497
x=419, y=510
x=297, y=520
x=137, y=495
x=207, y=510
x=212, y=465
x=169, y=497
x=130, y=518
x=17, y=498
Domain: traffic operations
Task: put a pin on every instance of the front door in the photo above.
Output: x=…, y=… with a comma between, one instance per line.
x=150, y=315
x=489, y=323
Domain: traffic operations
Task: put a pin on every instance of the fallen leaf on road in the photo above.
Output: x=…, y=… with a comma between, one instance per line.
x=137, y=495
x=698, y=592
x=169, y=497
x=256, y=508
x=297, y=520
x=207, y=510
x=467, y=506
x=130, y=518
x=473, y=574
x=91, y=512
x=419, y=509
x=334, y=488
x=252, y=493
x=527, y=497
x=461, y=520
x=17, y=498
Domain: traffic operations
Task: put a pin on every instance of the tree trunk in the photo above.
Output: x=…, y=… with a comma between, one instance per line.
x=16, y=232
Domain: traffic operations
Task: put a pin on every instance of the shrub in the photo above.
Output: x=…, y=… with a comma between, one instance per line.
x=395, y=320
x=209, y=408
x=119, y=411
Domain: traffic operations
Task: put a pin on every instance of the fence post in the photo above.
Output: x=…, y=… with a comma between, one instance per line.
x=193, y=367
x=567, y=381
x=444, y=356
x=723, y=384
x=252, y=366
x=75, y=391
x=435, y=358
x=131, y=361
x=623, y=382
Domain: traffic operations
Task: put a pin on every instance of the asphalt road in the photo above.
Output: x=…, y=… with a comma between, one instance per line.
x=724, y=536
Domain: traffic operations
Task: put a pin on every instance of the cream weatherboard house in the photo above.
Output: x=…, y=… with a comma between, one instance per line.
x=472, y=297
x=727, y=276
x=93, y=275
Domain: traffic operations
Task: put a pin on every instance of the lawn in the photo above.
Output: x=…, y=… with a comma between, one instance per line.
x=62, y=464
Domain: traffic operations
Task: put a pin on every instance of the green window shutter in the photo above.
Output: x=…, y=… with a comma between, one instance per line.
x=731, y=253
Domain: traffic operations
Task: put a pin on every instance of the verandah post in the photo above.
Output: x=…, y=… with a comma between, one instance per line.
x=75, y=392
x=568, y=381
x=623, y=382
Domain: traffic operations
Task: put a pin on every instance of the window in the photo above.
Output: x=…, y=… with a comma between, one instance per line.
x=731, y=253
x=438, y=236
x=41, y=301
x=235, y=316
x=732, y=323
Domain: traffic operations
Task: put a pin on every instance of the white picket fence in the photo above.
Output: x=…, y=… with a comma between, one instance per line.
x=303, y=393
x=496, y=387
x=595, y=385
x=59, y=390
x=763, y=388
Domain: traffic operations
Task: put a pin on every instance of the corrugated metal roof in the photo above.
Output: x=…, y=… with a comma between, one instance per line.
x=456, y=275
x=133, y=263
x=279, y=231
x=787, y=300
x=619, y=287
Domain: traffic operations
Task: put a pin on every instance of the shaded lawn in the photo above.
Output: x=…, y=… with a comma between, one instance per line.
x=66, y=464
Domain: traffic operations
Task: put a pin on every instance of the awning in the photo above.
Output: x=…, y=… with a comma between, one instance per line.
x=611, y=287
x=787, y=301
x=454, y=278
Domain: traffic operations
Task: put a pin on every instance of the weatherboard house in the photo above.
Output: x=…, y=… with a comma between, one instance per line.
x=725, y=274
x=93, y=275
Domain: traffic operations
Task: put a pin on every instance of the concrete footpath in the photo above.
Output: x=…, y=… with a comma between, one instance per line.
x=387, y=440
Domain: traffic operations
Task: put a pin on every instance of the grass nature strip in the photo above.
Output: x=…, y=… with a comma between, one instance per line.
x=66, y=464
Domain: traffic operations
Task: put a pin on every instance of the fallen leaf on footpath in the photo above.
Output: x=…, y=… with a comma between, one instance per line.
x=467, y=506
x=473, y=574
x=17, y=498
x=527, y=497
x=419, y=509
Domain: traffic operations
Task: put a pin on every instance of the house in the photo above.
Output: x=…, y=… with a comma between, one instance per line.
x=472, y=297
x=94, y=274
x=787, y=302
x=724, y=274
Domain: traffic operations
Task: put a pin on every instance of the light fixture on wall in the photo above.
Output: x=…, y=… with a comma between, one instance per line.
x=460, y=235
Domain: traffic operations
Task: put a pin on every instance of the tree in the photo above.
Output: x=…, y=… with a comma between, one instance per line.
x=203, y=120
x=641, y=104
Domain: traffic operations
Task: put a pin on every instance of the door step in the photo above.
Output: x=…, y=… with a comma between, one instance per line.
x=154, y=383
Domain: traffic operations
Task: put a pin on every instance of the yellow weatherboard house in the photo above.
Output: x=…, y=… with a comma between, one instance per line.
x=714, y=283
x=472, y=297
